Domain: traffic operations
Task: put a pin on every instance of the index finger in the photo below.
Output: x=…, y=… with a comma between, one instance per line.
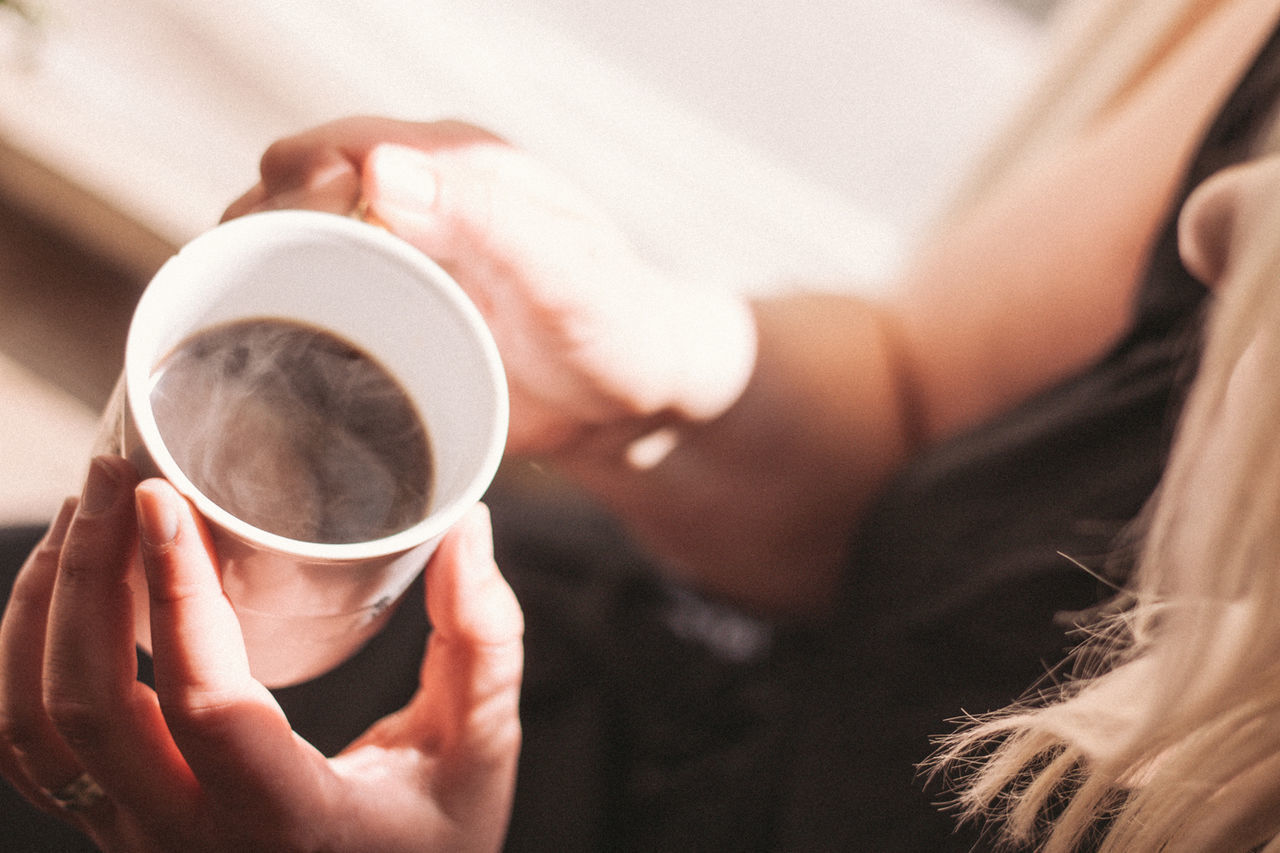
x=233, y=735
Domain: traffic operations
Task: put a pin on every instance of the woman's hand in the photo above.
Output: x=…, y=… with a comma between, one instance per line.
x=592, y=337
x=208, y=761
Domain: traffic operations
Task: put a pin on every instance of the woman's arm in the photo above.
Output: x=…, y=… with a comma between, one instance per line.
x=743, y=441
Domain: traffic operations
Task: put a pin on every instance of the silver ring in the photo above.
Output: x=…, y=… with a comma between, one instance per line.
x=80, y=794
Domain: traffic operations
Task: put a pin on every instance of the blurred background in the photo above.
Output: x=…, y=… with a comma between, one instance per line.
x=753, y=144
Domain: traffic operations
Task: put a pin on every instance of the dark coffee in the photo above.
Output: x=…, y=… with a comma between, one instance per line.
x=295, y=431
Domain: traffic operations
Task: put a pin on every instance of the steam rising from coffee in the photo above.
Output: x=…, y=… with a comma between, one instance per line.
x=295, y=431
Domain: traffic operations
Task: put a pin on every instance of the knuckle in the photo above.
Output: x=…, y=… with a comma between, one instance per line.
x=211, y=713
x=77, y=720
x=177, y=593
x=500, y=624
x=88, y=564
x=506, y=735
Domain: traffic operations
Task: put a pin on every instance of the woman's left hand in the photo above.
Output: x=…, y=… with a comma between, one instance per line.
x=207, y=761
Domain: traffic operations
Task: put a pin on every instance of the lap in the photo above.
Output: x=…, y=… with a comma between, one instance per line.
x=653, y=719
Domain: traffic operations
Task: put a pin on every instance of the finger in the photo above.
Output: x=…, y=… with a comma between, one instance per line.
x=33, y=756
x=197, y=638
x=314, y=170
x=403, y=190
x=355, y=138
x=232, y=733
x=328, y=167
x=109, y=720
x=247, y=203
x=92, y=585
x=471, y=676
x=299, y=174
x=457, y=191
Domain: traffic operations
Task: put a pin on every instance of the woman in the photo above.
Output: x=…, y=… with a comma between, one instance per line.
x=1006, y=400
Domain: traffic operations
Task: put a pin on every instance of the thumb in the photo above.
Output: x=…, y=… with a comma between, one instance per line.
x=471, y=676
x=466, y=711
x=402, y=192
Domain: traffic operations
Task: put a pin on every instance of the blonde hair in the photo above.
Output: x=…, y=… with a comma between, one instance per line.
x=1166, y=733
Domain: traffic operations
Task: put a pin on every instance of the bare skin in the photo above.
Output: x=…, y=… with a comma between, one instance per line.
x=742, y=441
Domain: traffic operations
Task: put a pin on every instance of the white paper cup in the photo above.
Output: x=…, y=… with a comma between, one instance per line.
x=304, y=606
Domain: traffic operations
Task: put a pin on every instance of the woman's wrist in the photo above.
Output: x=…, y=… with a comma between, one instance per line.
x=700, y=350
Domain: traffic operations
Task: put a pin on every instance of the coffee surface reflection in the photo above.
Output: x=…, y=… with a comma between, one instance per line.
x=295, y=431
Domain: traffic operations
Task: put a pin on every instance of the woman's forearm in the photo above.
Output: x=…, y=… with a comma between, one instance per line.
x=757, y=503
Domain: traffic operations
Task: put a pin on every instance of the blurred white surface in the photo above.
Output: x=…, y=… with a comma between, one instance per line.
x=881, y=102
x=744, y=143
x=47, y=436
x=748, y=140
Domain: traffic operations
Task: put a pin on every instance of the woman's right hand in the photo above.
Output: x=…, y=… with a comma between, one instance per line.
x=592, y=337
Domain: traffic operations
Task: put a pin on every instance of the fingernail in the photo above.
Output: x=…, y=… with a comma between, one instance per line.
x=101, y=488
x=157, y=519
x=403, y=179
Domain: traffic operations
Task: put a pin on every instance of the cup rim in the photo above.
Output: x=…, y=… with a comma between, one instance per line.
x=138, y=369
